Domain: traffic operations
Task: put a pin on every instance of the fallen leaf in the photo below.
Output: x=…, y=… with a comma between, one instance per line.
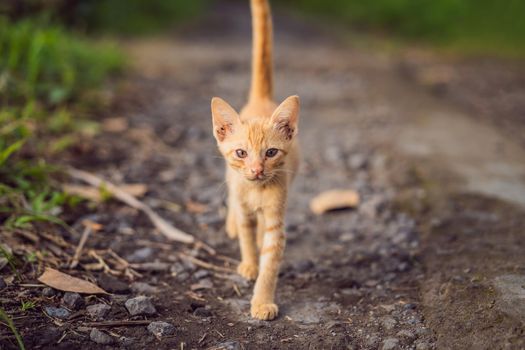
x=117, y=124
x=195, y=207
x=64, y=282
x=334, y=199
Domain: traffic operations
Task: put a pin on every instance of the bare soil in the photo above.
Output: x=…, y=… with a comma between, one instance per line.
x=423, y=263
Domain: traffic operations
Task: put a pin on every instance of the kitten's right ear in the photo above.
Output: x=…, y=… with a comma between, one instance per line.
x=225, y=119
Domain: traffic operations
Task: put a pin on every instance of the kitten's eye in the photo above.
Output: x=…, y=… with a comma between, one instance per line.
x=271, y=152
x=241, y=153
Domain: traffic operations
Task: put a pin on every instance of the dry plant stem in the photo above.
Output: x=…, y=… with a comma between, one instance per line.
x=117, y=323
x=163, y=226
x=78, y=251
x=204, y=264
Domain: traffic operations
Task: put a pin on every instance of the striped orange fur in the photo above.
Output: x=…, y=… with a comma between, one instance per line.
x=261, y=151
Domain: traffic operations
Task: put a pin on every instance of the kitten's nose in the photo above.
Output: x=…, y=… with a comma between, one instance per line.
x=257, y=170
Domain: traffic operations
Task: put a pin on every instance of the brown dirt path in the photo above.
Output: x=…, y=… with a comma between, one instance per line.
x=431, y=259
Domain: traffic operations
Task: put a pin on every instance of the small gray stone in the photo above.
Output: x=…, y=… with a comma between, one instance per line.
x=57, y=312
x=140, y=255
x=156, y=266
x=373, y=341
x=422, y=331
x=49, y=292
x=371, y=207
x=511, y=295
x=199, y=274
x=72, y=300
x=390, y=344
x=388, y=323
x=303, y=265
x=422, y=345
x=143, y=288
x=161, y=329
x=98, y=311
x=202, y=312
x=112, y=285
x=404, y=333
x=229, y=345
x=358, y=161
x=100, y=337
x=140, y=305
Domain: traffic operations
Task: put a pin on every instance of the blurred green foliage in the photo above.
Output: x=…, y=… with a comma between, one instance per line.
x=478, y=25
x=44, y=73
x=45, y=63
x=128, y=17
x=137, y=16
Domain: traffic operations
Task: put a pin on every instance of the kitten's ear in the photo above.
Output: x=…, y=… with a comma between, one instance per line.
x=224, y=118
x=286, y=117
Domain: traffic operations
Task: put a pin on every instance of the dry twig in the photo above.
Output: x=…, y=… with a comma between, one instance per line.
x=204, y=264
x=162, y=225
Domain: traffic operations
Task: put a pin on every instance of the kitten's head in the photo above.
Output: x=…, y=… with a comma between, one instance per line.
x=256, y=148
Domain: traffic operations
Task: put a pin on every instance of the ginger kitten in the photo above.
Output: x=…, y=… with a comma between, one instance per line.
x=261, y=152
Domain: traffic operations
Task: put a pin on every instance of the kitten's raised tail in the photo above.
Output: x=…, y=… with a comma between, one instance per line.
x=262, y=65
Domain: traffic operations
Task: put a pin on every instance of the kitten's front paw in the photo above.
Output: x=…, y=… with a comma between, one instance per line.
x=248, y=270
x=265, y=312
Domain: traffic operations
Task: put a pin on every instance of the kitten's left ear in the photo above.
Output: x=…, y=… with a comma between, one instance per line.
x=225, y=119
x=286, y=117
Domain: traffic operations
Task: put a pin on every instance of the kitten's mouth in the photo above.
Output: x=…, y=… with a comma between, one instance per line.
x=258, y=178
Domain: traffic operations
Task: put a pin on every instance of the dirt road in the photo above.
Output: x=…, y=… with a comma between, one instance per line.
x=432, y=258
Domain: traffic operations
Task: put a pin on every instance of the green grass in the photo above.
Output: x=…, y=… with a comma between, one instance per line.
x=132, y=17
x=45, y=72
x=26, y=305
x=483, y=26
x=4, y=317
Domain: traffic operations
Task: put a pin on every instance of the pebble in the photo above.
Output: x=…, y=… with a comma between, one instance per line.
x=404, y=333
x=58, y=312
x=100, y=337
x=140, y=255
x=155, y=266
x=2, y=283
x=140, y=305
x=202, y=312
x=72, y=300
x=203, y=284
x=46, y=336
x=303, y=265
x=98, y=311
x=161, y=329
x=388, y=323
x=390, y=344
x=228, y=345
x=373, y=341
x=422, y=346
x=358, y=161
x=49, y=292
x=143, y=288
x=112, y=285
x=199, y=274
x=371, y=207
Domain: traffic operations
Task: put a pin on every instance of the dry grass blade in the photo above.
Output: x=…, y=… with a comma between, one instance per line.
x=78, y=251
x=162, y=225
x=204, y=264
